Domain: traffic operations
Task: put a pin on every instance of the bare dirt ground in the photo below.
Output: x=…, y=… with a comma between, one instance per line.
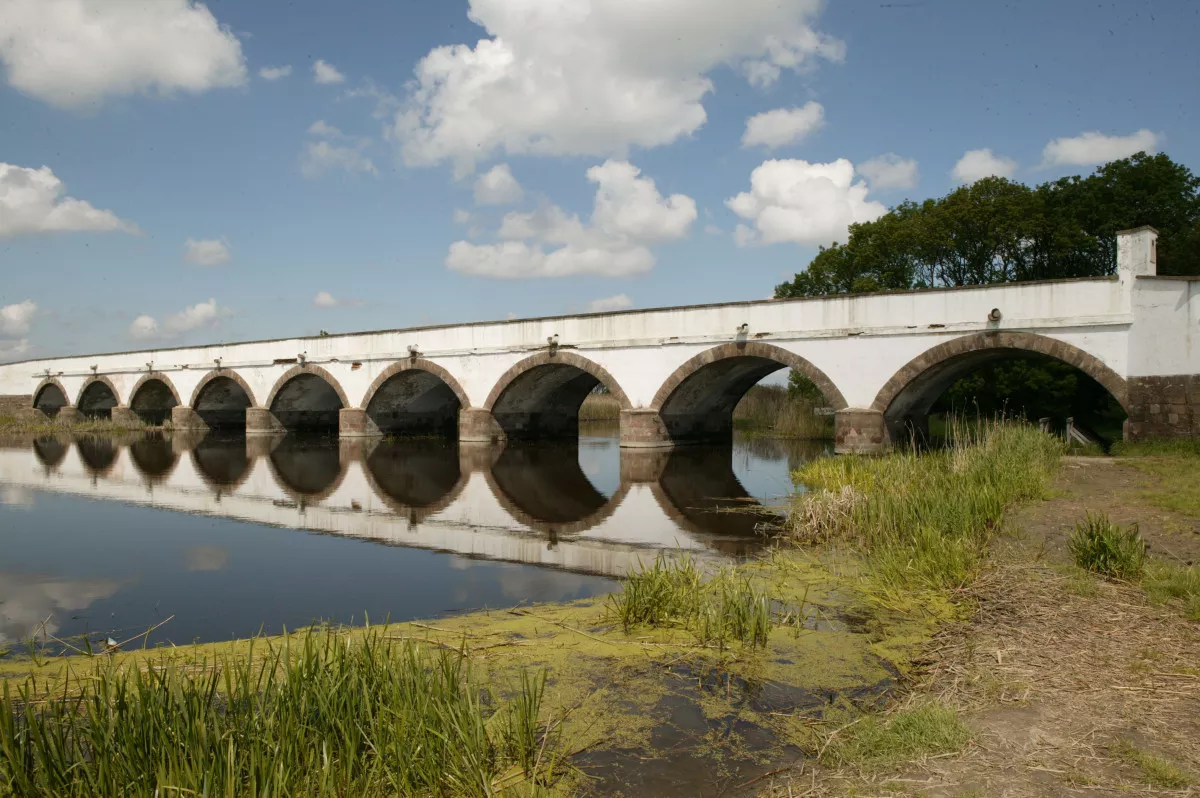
x=1070, y=685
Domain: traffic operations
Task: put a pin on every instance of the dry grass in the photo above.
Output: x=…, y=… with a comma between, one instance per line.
x=600, y=407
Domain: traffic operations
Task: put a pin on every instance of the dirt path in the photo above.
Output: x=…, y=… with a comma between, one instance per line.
x=1069, y=684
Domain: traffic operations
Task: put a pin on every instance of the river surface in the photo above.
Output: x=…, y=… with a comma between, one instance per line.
x=228, y=536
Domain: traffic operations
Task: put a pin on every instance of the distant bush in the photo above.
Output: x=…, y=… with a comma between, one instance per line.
x=1100, y=546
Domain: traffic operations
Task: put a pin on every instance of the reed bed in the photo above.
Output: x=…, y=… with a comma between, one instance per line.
x=772, y=410
x=600, y=407
x=47, y=425
x=923, y=518
x=318, y=714
x=718, y=610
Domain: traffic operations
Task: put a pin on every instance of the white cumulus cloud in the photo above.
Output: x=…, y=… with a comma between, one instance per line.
x=889, y=171
x=202, y=315
x=72, y=53
x=783, y=126
x=629, y=215
x=978, y=164
x=594, y=77
x=143, y=327
x=324, y=299
x=497, y=186
x=610, y=303
x=32, y=201
x=206, y=252
x=323, y=156
x=16, y=318
x=805, y=203
x=1094, y=147
x=324, y=72
x=275, y=73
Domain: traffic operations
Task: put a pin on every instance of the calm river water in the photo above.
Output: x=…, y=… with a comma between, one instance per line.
x=228, y=536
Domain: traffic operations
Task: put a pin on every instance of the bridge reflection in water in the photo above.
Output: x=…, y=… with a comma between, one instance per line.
x=108, y=537
x=528, y=503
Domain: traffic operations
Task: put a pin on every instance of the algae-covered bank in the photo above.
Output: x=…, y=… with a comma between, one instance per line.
x=685, y=682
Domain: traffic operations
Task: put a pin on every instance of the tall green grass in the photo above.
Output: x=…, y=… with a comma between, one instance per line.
x=717, y=610
x=600, y=407
x=923, y=518
x=321, y=714
x=1100, y=546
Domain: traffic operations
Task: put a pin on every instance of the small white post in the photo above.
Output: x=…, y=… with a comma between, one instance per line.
x=1137, y=252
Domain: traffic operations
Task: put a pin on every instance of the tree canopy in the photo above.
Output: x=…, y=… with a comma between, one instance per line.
x=997, y=230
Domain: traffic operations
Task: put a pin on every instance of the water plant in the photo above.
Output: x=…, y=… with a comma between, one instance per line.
x=726, y=607
x=1102, y=547
x=321, y=714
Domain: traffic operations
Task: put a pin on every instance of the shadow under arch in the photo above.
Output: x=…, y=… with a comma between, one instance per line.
x=307, y=397
x=221, y=399
x=540, y=396
x=50, y=397
x=153, y=457
x=415, y=478
x=415, y=396
x=541, y=485
x=308, y=470
x=152, y=397
x=222, y=462
x=696, y=402
x=97, y=397
x=907, y=397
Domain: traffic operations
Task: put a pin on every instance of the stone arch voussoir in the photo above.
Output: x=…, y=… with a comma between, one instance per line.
x=153, y=375
x=557, y=358
x=999, y=340
x=307, y=368
x=90, y=381
x=47, y=383
x=750, y=349
x=415, y=364
x=227, y=373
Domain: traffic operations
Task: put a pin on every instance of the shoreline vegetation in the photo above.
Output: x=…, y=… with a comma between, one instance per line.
x=796, y=650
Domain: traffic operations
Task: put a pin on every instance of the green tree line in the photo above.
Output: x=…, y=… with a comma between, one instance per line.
x=997, y=230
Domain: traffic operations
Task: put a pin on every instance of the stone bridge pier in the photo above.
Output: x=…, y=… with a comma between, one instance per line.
x=673, y=375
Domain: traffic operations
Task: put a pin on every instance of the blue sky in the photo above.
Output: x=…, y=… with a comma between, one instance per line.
x=162, y=122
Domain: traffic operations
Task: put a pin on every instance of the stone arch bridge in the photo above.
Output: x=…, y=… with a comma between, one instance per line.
x=880, y=360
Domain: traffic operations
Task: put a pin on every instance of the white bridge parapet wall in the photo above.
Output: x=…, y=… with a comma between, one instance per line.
x=866, y=350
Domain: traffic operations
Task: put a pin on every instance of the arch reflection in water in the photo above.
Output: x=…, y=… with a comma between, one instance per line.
x=221, y=460
x=153, y=456
x=527, y=502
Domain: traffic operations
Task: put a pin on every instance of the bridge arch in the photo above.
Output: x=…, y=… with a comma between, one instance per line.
x=97, y=397
x=221, y=399
x=154, y=458
x=416, y=396
x=913, y=389
x=697, y=401
x=541, y=395
x=153, y=396
x=50, y=397
x=308, y=474
x=307, y=397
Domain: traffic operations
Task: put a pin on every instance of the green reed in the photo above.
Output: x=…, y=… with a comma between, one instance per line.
x=923, y=518
x=718, y=610
x=319, y=714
